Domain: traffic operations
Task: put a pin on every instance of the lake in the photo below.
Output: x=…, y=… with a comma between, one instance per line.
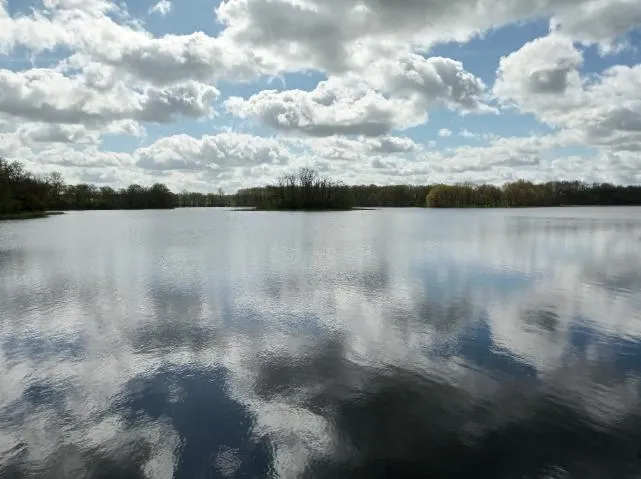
x=201, y=343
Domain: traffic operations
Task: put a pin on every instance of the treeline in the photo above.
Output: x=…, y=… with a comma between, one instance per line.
x=20, y=191
x=526, y=194
x=190, y=199
x=90, y=197
x=291, y=192
x=24, y=193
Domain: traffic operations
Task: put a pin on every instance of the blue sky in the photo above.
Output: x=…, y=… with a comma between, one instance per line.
x=207, y=95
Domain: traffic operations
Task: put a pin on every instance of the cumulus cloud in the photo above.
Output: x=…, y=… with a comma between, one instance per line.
x=221, y=151
x=494, y=163
x=391, y=95
x=336, y=106
x=110, y=75
x=338, y=35
x=47, y=95
x=360, y=148
x=392, y=144
x=381, y=160
x=543, y=78
x=38, y=134
x=177, y=58
x=271, y=36
x=56, y=133
x=444, y=132
x=544, y=70
x=161, y=8
x=92, y=32
x=431, y=81
x=598, y=21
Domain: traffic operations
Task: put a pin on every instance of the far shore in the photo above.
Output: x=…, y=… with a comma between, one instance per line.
x=29, y=215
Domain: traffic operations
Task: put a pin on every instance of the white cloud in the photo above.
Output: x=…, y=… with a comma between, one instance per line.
x=268, y=36
x=598, y=21
x=338, y=35
x=93, y=36
x=391, y=95
x=360, y=148
x=163, y=7
x=336, y=106
x=177, y=58
x=91, y=157
x=543, y=72
x=233, y=160
x=45, y=95
x=392, y=144
x=56, y=133
x=444, y=132
x=40, y=135
x=217, y=152
x=543, y=78
x=433, y=81
x=114, y=76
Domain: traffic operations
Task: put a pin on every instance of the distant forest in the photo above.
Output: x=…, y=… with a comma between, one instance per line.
x=522, y=194
x=25, y=194
x=307, y=190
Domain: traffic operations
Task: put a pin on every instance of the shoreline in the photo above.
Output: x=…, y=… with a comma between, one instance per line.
x=29, y=215
x=305, y=210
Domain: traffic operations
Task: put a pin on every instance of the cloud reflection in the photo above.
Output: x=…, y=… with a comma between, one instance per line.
x=412, y=345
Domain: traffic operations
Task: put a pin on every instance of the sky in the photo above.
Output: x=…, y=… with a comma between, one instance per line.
x=206, y=94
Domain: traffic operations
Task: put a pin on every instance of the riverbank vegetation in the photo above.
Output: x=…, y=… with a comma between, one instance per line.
x=24, y=195
x=291, y=193
x=28, y=215
x=525, y=194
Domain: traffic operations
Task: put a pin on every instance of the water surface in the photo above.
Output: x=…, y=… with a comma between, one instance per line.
x=389, y=343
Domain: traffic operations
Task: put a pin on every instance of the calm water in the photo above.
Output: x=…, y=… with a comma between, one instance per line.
x=390, y=343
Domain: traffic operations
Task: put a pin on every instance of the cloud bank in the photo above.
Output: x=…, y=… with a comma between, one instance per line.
x=362, y=74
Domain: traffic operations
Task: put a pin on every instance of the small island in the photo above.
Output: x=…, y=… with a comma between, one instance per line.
x=305, y=190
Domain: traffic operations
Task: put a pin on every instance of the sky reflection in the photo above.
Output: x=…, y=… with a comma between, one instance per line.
x=361, y=344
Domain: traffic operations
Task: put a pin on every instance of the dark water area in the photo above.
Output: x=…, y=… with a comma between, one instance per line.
x=365, y=344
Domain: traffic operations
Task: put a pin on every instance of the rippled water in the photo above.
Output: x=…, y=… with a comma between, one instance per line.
x=390, y=343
